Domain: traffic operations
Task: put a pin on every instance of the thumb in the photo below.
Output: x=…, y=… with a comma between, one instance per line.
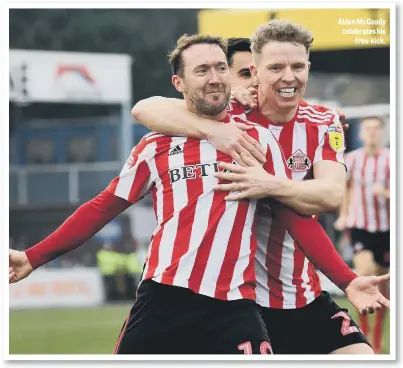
x=243, y=126
x=253, y=90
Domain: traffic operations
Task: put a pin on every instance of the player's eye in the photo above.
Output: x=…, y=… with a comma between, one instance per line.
x=275, y=68
x=245, y=74
x=222, y=68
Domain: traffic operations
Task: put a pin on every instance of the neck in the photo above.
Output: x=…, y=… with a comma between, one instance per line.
x=372, y=150
x=273, y=113
x=218, y=117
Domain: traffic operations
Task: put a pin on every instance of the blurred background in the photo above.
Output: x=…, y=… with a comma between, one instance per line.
x=74, y=76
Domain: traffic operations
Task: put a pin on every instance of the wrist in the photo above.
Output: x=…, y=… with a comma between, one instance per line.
x=350, y=277
x=285, y=188
x=206, y=130
x=33, y=258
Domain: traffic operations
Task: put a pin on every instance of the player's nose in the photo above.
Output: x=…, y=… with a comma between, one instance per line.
x=288, y=75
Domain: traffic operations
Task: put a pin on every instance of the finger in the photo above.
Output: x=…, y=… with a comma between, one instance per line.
x=256, y=149
x=383, y=278
x=228, y=176
x=363, y=312
x=248, y=150
x=385, y=302
x=253, y=90
x=234, y=168
x=12, y=277
x=249, y=159
x=237, y=158
x=377, y=307
x=250, y=100
x=371, y=310
x=236, y=196
x=252, y=149
x=233, y=187
x=238, y=96
x=251, y=152
x=243, y=126
x=256, y=144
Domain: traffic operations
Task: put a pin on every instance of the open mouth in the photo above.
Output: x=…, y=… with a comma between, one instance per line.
x=287, y=92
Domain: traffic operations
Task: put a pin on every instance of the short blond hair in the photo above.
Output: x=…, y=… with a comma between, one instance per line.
x=185, y=41
x=281, y=30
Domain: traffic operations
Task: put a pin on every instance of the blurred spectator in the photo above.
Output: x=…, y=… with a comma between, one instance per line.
x=110, y=267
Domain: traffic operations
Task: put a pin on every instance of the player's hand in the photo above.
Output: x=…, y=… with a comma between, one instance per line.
x=340, y=223
x=19, y=266
x=363, y=293
x=249, y=182
x=246, y=96
x=232, y=140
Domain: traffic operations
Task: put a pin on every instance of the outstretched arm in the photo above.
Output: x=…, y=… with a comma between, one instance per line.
x=317, y=246
x=85, y=222
x=362, y=292
x=82, y=225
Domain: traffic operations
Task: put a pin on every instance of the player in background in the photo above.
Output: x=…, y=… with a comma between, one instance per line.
x=201, y=275
x=365, y=211
x=313, y=143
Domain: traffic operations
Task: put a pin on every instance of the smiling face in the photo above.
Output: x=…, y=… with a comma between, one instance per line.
x=282, y=70
x=205, y=81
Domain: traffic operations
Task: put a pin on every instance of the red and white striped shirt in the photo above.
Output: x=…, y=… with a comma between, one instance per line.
x=201, y=242
x=286, y=279
x=366, y=210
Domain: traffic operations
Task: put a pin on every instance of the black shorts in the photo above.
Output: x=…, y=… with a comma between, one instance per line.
x=318, y=328
x=378, y=243
x=174, y=320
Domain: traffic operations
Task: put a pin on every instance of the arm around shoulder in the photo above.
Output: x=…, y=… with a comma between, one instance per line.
x=170, y=116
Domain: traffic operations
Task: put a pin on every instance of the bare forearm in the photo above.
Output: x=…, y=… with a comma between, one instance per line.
x=170, y=116
x=310, y=197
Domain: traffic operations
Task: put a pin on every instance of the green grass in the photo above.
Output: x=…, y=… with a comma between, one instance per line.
x=85, y=330
x=66, y=331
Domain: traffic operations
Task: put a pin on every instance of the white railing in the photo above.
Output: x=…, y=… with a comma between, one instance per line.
x=60, y=183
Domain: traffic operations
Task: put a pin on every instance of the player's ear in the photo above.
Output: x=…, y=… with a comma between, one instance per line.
x=309, y=65
x=178, y=83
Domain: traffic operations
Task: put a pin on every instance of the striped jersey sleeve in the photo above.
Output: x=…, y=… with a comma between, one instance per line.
x=135, y=180
x=332, y=141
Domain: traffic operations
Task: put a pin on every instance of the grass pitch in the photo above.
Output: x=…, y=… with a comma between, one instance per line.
x=87, y=330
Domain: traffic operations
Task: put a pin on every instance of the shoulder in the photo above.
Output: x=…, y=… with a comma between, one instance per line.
x=317, y=114
x=154, y=143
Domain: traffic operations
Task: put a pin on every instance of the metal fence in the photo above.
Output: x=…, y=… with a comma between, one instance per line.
x=59, y=184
